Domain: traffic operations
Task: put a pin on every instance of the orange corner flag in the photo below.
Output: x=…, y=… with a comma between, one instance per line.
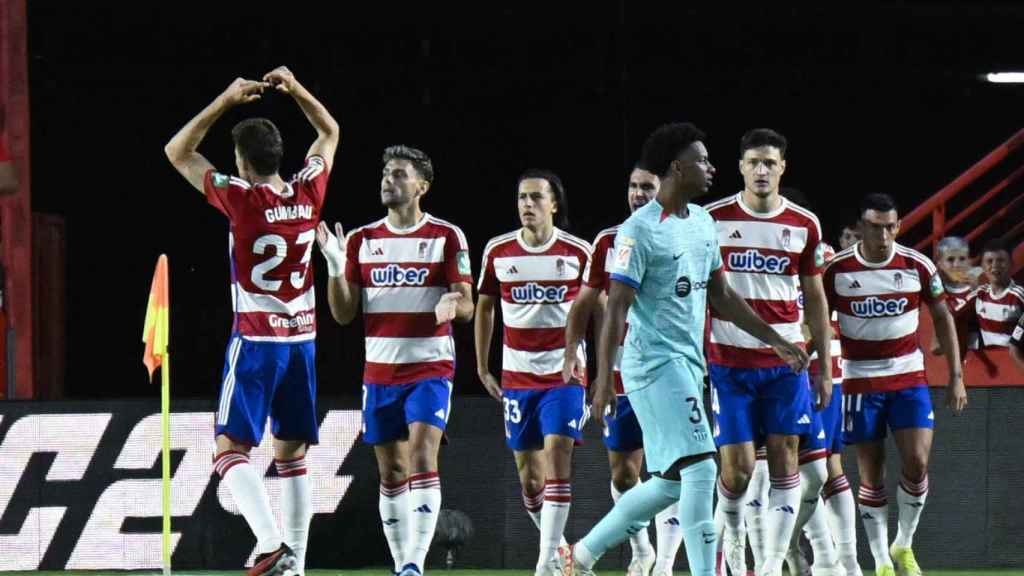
x=158, y=314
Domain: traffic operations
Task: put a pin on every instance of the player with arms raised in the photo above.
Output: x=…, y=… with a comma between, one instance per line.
x=270, y=365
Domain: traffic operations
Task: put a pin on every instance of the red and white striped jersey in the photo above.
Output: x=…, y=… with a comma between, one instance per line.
x=269, y=245
x=537, y=286
x=877, y=305
x=763, y=257
x=596, y=276
x=402, y=274
x=996, y=313
x=835, y=346
x=956, y=296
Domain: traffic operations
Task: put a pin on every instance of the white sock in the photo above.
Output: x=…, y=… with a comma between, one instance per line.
x=425, y=504
x=670, y=538
x=780, y=518
x=842, y=516
x=534, y=504
x=394, y=515
x=639, y=543
x=811, y=517
x=296, y=506
x=250, y=496
x=553, y=517
x=754, y=511
x=910, y=498
x=730, y=506
x=874, y=514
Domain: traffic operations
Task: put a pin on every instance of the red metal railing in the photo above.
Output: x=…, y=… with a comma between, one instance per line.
x=935, y=206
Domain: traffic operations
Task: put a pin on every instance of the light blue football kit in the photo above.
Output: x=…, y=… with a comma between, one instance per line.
x=668, y=260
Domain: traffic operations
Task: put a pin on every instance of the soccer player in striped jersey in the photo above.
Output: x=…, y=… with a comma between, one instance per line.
x=877, y=287
x=535, y=273
x=771, y=249
x=410, y=272
x=270, y=365
x=622, y=435
x=952, y=256
x=996, y=306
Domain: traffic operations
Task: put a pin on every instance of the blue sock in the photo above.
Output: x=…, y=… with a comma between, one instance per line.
x=696, y=516
x=633, y=510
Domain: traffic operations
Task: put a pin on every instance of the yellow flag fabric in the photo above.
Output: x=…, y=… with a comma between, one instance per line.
x=158, y=314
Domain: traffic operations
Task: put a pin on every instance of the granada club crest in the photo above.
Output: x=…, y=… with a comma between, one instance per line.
x=898, y=279
x=785, y=237
x=560, y=267
x=422, y=249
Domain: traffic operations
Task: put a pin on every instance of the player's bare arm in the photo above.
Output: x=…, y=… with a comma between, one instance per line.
x=342, y=295
x=817, y=318
x=575, y=329
x=483, y=330
x=327, y=130
x=181, y=150
x=620, y=298
x=735, y=309
x=945, y=330
x=456, y=305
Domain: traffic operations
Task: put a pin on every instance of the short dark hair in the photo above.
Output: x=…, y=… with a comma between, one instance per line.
x=878, y=202
x=665, y=144
x=759, y=137
x=557, y=190
x=418, y=158
x=997, y=245
x=259, y=142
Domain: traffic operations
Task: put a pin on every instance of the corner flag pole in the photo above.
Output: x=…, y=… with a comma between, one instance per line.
x=156, y=334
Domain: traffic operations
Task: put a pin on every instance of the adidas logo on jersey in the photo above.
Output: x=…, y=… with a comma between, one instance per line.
x=735, y=235
x=378, y=251
x=753, y=261
x=513, y=270
x=875, y=307
x=854, y=285
x=533, y=293
x=805, y=419
x=395, y=275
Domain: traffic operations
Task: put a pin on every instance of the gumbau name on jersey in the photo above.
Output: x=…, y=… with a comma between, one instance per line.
x=286, y=213
x=533, y=293
x=753, y=261
x=875, y=307
x=300, y=321
x=395, y=275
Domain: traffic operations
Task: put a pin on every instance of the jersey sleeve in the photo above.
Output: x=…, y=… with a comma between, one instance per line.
x=488, y=284
x=932, y=289
x=314, y=176
x=1017, y=337
x=595, y=274
x=812, y=259
x=716, y=250
x=353, y=271
x=219, y=190
x=456, y=258
x=631, y=254
x=828, y=280
x=966, y=307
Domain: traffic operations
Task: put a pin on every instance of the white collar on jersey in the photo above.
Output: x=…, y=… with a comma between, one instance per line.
x=762, y=215
x=1005, y=291
x=410, y=229
x=883, y=264
x=538, y=249
x=287, y=192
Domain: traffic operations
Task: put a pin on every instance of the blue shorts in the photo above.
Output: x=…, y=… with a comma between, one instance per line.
x=388, y=409
x=749, y=401
x=669, y=404
x=866, y=415
x=622, y=433
x=532, y=414
x=832, y=421
x=268, y=378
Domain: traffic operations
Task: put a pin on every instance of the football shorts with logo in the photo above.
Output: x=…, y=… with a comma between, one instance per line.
x=669, y=405
x=750, y=401
x=272, y=379
x=389, y=409
x=622, y=432
x=533, y=413
x=832, y=421
x=865, y=416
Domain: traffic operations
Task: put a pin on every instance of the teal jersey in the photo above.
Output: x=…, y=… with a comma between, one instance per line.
x=669, y=261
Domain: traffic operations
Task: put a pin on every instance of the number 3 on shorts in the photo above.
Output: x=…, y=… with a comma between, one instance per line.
x=512, y=413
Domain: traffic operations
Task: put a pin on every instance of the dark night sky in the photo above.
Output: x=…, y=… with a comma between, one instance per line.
x=872, y=99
